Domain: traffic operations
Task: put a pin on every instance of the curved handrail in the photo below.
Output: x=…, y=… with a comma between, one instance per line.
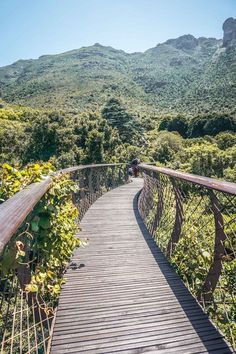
x=14, y=211
x=194, y=228
x=211, y=183
x=82, y=167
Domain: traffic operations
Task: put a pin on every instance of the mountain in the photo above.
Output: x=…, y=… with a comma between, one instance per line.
x=185, y=74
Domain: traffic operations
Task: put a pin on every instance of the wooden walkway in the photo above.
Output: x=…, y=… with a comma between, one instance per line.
x=121, y=296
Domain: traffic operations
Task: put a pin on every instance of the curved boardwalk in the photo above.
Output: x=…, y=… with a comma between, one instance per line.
x=121, y=296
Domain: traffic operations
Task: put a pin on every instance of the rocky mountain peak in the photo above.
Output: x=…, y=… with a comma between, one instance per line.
x=185, y=42
x=229, y=28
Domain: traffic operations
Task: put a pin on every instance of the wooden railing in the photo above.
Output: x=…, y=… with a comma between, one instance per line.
x=193, y=220
x=26, y=318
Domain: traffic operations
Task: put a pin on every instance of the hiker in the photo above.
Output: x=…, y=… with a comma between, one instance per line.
x=134, y=165
x=130, y=171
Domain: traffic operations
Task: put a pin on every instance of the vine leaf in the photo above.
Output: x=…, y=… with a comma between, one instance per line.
x=31, y=288
x=44, y=222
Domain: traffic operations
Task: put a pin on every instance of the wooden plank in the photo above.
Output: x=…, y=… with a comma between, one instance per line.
x=125, y=298
x=160, y=342
x=123, y=323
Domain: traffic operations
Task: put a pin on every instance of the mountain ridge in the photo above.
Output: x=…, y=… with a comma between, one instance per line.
x=96, y=44
x=181, y=74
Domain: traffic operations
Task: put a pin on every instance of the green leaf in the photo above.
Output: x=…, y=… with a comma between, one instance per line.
x=35, y=226
x=44, y=222
x=206, y=255
x=31, y=288
x=56, y=289
x=9, y=260
x=51, y=207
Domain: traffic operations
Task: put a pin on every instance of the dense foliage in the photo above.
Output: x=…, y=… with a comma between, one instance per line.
x=200, y=125
x=35, y=258
x=64, y=138
x=115, y=135
x=49, y=231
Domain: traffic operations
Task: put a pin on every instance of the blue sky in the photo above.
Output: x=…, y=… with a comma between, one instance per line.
x=30, y=28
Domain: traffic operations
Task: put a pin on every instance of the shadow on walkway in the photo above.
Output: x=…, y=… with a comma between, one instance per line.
x=212, y=339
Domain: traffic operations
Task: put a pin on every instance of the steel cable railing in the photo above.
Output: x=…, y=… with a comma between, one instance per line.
x=193, y=221
x=26, y=316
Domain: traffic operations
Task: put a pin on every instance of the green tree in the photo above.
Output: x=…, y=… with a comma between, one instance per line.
x=196, y=127
x=219, y=124
x=129, y=128
x=225, y=140
x=95, y=146
x=204, y=159
x=90, y=130
x=211, y=124
x=174, y=124
x=51, y=135
x=13, y=142
x=163, y=146
x=164, y=124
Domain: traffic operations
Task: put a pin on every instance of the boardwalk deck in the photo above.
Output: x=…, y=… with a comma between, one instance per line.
x=123, y=297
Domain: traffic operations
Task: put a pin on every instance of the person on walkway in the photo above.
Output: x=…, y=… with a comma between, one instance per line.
x=134, y=165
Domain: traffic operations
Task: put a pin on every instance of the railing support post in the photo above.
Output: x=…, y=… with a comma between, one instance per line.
x=98, y=182
x=90, y=182
x=41, y=313
x=160, y=204
x=74, y=177
x=146, y=197
x=81, y=185
x=219, y=251
x=175, y=235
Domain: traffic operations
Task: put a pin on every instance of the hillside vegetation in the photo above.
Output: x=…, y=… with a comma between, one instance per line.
x=184, y=74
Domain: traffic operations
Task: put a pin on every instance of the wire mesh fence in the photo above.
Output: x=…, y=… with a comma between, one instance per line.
x=94, y=182
x=27, y=315
x=195, y=227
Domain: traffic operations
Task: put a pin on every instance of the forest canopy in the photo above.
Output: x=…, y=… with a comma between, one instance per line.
x=201, y=144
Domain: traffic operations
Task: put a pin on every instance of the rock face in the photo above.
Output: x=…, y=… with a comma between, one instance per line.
x=229, y=28
x=186, y=42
